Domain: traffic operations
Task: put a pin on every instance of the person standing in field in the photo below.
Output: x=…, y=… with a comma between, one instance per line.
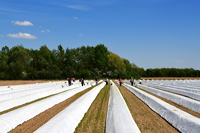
x=106, y=81
x=120, y=81
x=140, y=81
x=96, y=79
x=69, y=81
x=132, y=81
x=82, y=82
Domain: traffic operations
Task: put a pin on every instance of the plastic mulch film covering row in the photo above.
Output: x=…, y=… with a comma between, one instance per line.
x=181, y=100
x=67, y=120
x=181, y=120
x=10, y=120
x=119, y=118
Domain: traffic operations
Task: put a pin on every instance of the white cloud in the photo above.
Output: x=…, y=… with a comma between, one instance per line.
x=22, y=35
x=78, y=7
x=81, y=35
x=75, y=17
x=25, y=23
x=45, y=31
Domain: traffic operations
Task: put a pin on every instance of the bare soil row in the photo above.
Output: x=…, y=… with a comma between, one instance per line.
x=170, y=78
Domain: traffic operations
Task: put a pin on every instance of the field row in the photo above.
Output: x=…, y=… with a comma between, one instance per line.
x=119, y=117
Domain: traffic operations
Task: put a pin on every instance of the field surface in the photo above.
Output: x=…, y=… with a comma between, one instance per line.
x=95, y=119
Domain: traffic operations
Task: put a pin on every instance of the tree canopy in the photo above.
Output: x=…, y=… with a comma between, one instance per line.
x=82, y=62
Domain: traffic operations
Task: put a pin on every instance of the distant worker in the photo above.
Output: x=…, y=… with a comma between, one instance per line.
x=106, y=81
x=82, y=82
x=96, y=79
x=69, y=81
x=140, y=81
x=120, y=81
x=132, y=81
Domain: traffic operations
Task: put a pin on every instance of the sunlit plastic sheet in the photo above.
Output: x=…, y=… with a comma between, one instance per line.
x=10, y=120
x=31, y=89
x=184, y=101
x=67, y=120
x=7, y=104
x=182, y=92
x=186, y=85
x=181, y=120
x=119, y=118
x=25, y=86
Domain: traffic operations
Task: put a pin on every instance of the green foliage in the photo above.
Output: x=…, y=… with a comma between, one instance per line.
x=82, y=62
x=101, y=53
x=172, y=72
x=116, y=65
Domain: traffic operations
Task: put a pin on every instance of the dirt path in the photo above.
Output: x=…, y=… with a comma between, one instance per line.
x=95, y=119
x=170, y=78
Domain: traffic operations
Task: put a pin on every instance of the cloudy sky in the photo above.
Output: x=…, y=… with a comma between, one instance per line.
x=149, y=33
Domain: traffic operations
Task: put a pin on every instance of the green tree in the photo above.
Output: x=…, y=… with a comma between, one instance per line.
x=116, y=65
x=3, y=62
x=101, y=58
x=18, y=61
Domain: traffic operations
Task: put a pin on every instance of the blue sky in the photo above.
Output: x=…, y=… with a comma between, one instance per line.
x=149, y=33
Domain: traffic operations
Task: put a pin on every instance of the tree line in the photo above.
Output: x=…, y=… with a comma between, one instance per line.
x=82, y=62
x=172, y=72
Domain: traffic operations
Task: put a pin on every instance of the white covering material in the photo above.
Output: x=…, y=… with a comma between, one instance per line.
x=181, y=120
x=119, y=119
x=184, y=101
x=10, y=120
x=10, y=103
x=183, y=87
x=67, y=120
x=23, y=90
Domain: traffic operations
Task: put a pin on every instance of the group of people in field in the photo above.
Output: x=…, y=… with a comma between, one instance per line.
x=97, y=80
x=131, y=81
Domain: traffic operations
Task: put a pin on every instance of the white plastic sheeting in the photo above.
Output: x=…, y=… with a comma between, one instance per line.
x=181, y=120
x=189, y=85
x=184, y=87
x=7, y=104
x=184, y=101
x=67, y=120
x=31, y=89
x=10, y=120
x=119, y=118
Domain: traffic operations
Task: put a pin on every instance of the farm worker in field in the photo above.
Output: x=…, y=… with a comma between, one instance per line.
x=96, y=79
x=82, y=82
x=69, y=81
x=106, y=81
x=120, y=81
x=132, y=81
x=140, y=81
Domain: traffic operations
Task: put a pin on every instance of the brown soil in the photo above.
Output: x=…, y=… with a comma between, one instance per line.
x=169, y=78
x=21, y=82
x=94, y=120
